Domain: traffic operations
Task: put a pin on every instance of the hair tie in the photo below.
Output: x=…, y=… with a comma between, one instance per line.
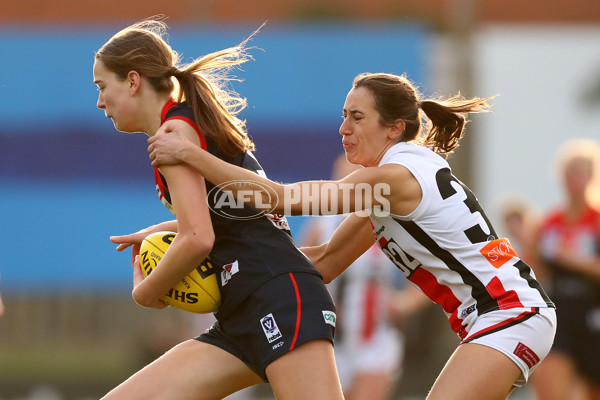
x=174, y=71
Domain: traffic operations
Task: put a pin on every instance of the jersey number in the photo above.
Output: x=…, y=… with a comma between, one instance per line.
x=405, y=263
x=444, y=179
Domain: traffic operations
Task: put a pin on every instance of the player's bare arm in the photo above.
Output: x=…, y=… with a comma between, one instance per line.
x=350, y=240
x=391, y=188
x=195, y=235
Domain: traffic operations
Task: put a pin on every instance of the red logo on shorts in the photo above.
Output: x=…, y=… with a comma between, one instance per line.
x=527, y=355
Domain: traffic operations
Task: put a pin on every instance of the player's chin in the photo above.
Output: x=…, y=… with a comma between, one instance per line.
x=124, y=128
x=351, y=157
x=116, y=124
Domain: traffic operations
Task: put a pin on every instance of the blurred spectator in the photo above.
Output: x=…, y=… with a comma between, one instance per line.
x=371, y=299
x=568, y=258
x=519, y=219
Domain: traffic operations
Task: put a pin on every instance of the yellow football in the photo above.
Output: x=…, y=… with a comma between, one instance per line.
x=198, y=292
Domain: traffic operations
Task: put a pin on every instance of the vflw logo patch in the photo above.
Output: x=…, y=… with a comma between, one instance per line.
x=270, y=328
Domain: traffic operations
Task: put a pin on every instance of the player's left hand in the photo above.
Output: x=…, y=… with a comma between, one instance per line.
x=132, y=239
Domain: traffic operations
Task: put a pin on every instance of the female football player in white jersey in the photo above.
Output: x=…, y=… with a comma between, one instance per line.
x=288, y=341
x=424, y=219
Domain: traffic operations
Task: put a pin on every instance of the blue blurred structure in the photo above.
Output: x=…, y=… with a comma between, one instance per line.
x=68, y=180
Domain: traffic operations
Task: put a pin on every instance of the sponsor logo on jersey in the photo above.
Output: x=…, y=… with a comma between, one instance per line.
x=270, y=328
x=279, y=221
x=380, y=230
x=228, y=271
x=329, y=317
x=467, y=311
x=498, y=252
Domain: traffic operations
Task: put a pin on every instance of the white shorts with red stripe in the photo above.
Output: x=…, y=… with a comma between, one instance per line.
x=525, y=335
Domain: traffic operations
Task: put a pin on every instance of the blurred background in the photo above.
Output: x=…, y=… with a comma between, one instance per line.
x=68, y=180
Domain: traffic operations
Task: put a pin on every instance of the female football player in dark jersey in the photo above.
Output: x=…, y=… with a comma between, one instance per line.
x=276, y=320
x=424, y=219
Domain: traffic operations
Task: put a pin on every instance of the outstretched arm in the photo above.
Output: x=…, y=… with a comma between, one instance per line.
x=370, y=189
x=169, y=147
x=350, y=240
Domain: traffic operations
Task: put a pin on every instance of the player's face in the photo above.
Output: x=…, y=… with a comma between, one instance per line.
x=577, y=176
x=114, y=98
x=363, y=137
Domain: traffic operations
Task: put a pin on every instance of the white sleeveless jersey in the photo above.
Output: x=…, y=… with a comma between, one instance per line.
x=448, y=248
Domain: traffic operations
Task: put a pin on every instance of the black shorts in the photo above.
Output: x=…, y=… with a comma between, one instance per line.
x=578, y=335
x=285, y=312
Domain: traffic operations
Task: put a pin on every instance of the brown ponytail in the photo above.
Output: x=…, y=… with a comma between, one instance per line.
x=447, y=120
x=396, y=98
x=203, y=83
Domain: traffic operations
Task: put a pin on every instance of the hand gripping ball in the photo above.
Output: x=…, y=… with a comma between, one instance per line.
x=198, y=292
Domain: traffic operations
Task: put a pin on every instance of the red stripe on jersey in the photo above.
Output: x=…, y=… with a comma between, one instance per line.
x=170, y=104
x=440, y=294
x=298, y=311
x=160, y=185
x=193, y=125
x=505, y=299
x=370, y=304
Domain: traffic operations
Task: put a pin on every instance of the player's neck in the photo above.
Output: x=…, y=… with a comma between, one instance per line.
x=575, y=206
x=153, y=113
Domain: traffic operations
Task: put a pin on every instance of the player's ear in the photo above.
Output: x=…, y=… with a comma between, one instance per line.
x=134, y=79
x=396, y=129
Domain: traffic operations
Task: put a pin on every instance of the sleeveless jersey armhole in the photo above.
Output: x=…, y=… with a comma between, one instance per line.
x=417, y=212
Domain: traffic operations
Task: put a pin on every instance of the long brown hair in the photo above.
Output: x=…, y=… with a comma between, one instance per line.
x=203, y=83
x=396, y=98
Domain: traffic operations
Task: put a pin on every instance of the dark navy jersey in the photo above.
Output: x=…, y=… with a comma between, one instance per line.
x=250, y=247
